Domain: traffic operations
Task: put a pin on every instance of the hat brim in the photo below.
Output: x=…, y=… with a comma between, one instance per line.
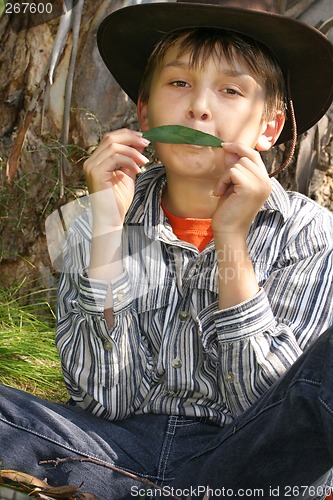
x=127, y=36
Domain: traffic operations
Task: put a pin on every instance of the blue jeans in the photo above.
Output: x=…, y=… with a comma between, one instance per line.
x=282, y=447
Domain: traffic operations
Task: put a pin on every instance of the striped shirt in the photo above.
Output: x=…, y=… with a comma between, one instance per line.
x=171, y=350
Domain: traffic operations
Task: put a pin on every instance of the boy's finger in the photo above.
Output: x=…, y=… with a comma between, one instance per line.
x=126, y=136
x=109, y=152
x=236, y=151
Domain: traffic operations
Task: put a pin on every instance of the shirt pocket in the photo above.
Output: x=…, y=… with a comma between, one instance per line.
x=148, y=299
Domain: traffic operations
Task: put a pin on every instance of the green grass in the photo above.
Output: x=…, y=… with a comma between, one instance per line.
x=28, y=356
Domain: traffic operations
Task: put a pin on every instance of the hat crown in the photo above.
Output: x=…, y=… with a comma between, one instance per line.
x=273, y=6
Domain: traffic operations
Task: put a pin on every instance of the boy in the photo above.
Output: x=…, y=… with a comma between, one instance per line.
x=190, y=294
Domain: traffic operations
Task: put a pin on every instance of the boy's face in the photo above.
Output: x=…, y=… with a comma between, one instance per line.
x=215, y=97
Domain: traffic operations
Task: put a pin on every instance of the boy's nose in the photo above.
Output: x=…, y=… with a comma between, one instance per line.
x=203, y=116
x=199, y=108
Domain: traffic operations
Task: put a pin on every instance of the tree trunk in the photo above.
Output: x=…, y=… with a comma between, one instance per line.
x=32, y=110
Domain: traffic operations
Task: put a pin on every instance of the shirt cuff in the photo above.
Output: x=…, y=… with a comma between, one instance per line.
x=122, y=293
x=243, y=320
x=92, y=295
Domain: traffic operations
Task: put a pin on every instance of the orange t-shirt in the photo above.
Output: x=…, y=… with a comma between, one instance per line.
x=198, y=232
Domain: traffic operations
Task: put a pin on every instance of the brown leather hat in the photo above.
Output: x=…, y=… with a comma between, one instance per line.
x=127, y=37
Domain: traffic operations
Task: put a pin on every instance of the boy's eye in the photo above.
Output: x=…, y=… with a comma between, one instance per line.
x=231, y=91
x=179, y=83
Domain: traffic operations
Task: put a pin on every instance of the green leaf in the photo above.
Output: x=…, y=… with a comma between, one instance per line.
x=177, y=134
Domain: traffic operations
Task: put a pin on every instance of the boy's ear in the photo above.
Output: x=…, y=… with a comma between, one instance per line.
x=271, y=132
x=142, y=111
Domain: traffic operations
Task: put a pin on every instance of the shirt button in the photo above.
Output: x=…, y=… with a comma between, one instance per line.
x=176, y=363
x=184, y=315
x=230, y=377
x=108, y=346
x=121, y=296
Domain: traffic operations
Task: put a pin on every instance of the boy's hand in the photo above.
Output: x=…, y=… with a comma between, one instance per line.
x=110, y=174
x=243, y=188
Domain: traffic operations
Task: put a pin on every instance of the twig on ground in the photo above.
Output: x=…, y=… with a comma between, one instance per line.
x=58, y=461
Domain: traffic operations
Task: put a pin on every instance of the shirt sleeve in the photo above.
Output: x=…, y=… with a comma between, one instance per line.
x=100, y=365
x=256, y=341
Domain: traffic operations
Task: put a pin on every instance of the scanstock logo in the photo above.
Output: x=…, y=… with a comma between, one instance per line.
x=24, y=15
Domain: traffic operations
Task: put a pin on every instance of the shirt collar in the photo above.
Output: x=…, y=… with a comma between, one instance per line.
x=278, y=200
x=146, y=207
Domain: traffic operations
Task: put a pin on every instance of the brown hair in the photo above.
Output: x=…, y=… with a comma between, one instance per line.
x=202, y=43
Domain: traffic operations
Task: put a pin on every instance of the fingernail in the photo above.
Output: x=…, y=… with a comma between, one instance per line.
x=146, y=160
